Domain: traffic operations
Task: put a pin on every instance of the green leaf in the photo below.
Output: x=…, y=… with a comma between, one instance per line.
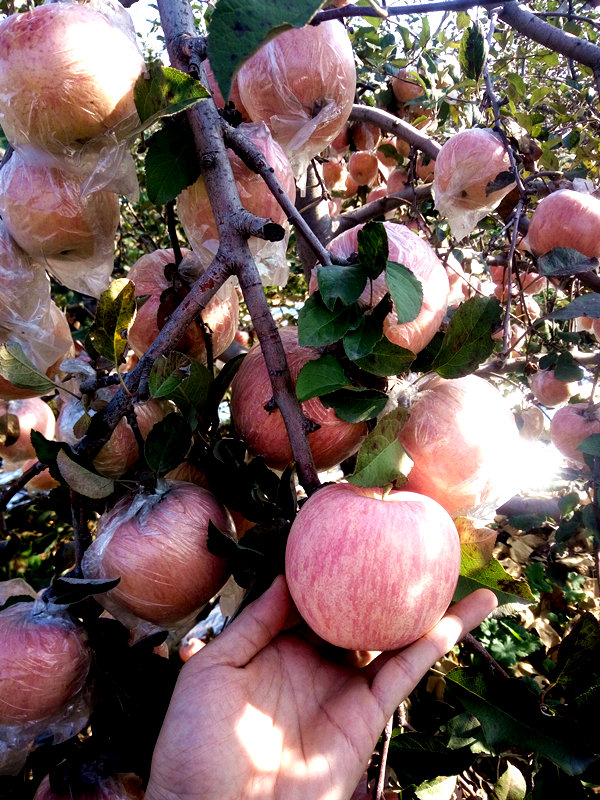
x=381, y=459
x=440, y=788
x=591, y=445
x=340, y=283
x=168, y=372
x=163, y=91
x=425, y=31
x=473, y=52
x=321, y=376
x=355, y=404
x=373, y=248
x=18, y=369
x=406, y=290
x=193, y=395
x=420, y=756
x=565, y=261
x=81, y=480
x=167, y=444
x=476, y=572
x=386, y=358
x=586, y=305
x=578, y=660
x=567, y=369
x=318, y=326
x=510, y=712
x=463, y=20
x=171, y=162
x=360, y=342
x=468, y=340
x=239, y=27
x=114, y=315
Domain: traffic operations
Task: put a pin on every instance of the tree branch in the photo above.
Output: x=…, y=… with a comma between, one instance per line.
x=396, y=11
x=379, y=207
x=398, y=127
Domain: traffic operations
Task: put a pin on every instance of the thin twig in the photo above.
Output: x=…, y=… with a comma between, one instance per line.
x=494, y=667
x=385, y=748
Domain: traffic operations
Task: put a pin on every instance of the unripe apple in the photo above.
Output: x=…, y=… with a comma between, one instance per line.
x=302, y=84
x=47, y=216
x=220, y=315
x=464, y=167
x=570, y=425
x=44, y=662
x=566, y=219
x=31, y=414
x=58, y=52
x=369, y=571
x=264, y=431
x=120, y=453
x=462, y=437
x=156, y=543
x=364, y=167
x=416, y=255
x=549, y=390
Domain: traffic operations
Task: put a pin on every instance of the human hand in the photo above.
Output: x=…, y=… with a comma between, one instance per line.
x=262, y=714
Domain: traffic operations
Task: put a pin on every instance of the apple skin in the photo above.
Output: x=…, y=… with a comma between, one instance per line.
x=549, y=390
x=566, y=219
x=46, y=215
x=302, y=84
x=265, y=433
x=44, y=662
x=221, y=312
x=156, y=543
x=405, y=247
x=33, y=415
x=371, y=572
x=570, y=425
x=59, y=52
x=463, y=439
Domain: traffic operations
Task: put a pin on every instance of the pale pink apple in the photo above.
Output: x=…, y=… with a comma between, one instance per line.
x=369, y=571
x=463, y=439
x=66, y=76
x=549, y=390
x=156, y=543
x=566, y=219
x=570, y=425
x=415, y=254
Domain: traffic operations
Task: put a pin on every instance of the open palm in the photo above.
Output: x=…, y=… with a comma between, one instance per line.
x=262, y=714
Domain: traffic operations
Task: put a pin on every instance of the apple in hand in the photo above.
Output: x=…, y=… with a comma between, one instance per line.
x=369, y=571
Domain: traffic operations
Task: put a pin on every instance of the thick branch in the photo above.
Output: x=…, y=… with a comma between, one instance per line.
x=396, y=11
x=397, y=127
x=379, y=207
x=522, y=20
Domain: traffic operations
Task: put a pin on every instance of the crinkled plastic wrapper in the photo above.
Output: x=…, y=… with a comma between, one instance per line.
x=302, y=84
x=44, y=666
x=465, y=165
x=197, y=219
x=156, y=544
x=112, y=787
x=71, y=234
x=58, y=52
x=406, y=248
x=28, y=315
x=221, y=314
x=464, y=441
x=33, y=414
x=120, y=453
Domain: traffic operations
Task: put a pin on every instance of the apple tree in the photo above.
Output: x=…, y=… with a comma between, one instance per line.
x=312, y=256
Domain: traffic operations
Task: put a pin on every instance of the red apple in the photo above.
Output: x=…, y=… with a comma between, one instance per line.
x=44, y=662
x=570, y=425
x=566, y=219
x=463, y=439
x=234, y=93
x=369, y=571
x=264, y=432
x=406, y=86
x=414, y=253
x=397, y=180
x=156, y=543
x=221, y=312
x=58, y=52
x=31, y=414
x=464, y=167
x=302, y=84
x=549, y=390
x=364, y=167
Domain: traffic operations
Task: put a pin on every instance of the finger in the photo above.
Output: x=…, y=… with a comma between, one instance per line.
x=251, y=632
x=397, y=674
